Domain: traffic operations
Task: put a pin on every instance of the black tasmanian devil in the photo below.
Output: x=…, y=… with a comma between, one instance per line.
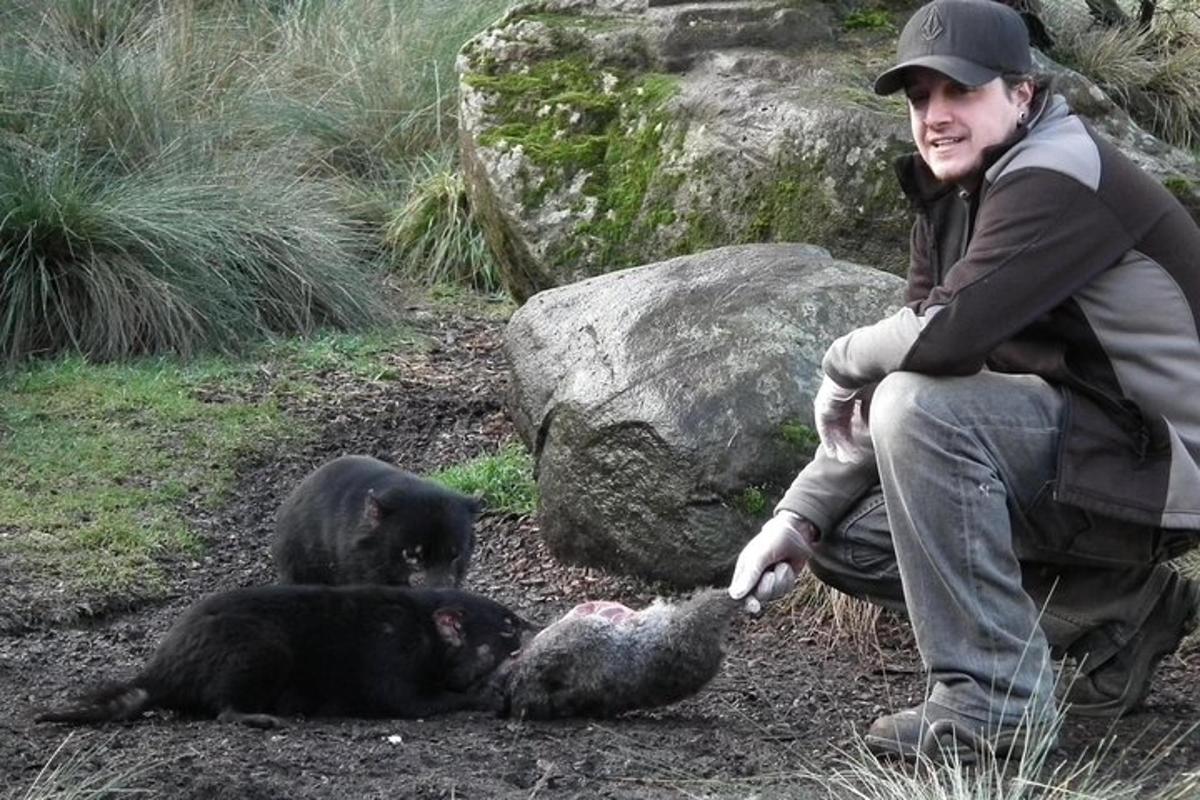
x=253, y=655
x=357, y=519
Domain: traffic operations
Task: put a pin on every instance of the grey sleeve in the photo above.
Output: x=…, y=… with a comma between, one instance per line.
x=866, y=355
x=826, y=489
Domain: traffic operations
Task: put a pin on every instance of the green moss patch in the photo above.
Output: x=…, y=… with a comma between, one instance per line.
x=1186, y=193
x=800, y=436
x=868, y=19
x=797, y=201
x=573, y=119
x=753, y=501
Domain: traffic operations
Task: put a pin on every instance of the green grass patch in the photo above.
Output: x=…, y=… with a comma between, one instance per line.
x=491, y=305
x=363, y=355
x=504, y=480
x=100, y=459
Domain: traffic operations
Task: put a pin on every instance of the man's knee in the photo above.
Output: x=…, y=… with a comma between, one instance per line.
x=902, y=404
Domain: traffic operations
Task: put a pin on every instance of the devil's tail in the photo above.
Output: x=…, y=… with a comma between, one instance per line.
x=118, y=701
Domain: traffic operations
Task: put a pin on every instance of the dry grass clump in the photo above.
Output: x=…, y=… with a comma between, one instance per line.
x=87, y=773
x=831, y=617
x=434, y=237
x=1153, y=72
x=1030, y=773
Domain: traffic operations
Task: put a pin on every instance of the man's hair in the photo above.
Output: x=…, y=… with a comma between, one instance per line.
x=1041, y=82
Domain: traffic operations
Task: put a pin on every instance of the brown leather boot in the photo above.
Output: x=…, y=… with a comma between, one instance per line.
x=1121, y=683
x=931, y=730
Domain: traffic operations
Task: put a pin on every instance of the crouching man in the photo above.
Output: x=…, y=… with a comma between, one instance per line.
x=1014, y=455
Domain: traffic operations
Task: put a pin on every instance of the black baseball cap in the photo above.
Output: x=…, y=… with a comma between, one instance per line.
x=969, y=41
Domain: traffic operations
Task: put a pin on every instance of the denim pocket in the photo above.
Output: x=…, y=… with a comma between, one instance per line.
x=867, y=541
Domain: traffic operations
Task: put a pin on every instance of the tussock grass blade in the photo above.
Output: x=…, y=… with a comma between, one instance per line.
x=95, y=25
x=1154, y=73
x=181, y=256
x=435, y=238
x=176, y=177
x=834, y=618
x=364, y=81
x=86, y=774
x=1029, y=773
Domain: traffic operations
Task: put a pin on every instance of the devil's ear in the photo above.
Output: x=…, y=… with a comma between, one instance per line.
x=449, y=624
x=372, y=510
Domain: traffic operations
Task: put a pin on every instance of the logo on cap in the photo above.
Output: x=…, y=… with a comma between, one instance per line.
x=932, y=27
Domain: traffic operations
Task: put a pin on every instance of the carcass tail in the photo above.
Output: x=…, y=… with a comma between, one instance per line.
x=120, y=701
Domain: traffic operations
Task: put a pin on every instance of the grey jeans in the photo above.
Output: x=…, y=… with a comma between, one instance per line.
x=956, y=523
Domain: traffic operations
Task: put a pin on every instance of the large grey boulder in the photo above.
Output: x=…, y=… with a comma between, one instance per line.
x=598, y=134
x=668, y=406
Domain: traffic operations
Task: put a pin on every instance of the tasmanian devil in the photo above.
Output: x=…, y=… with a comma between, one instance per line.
x=357, y=519
x=253, y=655
x=601, y=658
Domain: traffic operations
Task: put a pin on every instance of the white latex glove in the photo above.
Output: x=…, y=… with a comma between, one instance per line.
x=841, y=424
x=768, y=564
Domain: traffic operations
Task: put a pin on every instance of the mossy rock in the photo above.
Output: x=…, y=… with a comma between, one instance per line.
x=595, y=140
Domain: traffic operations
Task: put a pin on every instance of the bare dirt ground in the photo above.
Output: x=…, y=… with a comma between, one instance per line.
x=789, y=696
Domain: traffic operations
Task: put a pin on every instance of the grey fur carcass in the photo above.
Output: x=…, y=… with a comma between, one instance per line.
x=602, y=659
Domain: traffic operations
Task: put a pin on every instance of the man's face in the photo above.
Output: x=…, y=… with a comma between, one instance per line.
x=952, y=123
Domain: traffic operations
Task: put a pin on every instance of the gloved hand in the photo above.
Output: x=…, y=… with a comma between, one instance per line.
x=841, y=423
x=768, y=564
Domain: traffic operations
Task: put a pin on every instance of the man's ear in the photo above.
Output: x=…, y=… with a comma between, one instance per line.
x=1025, y=92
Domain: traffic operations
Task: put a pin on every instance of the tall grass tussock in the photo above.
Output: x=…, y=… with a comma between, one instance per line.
x=434, y=236
x=181, y=177
x=1152, y=71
